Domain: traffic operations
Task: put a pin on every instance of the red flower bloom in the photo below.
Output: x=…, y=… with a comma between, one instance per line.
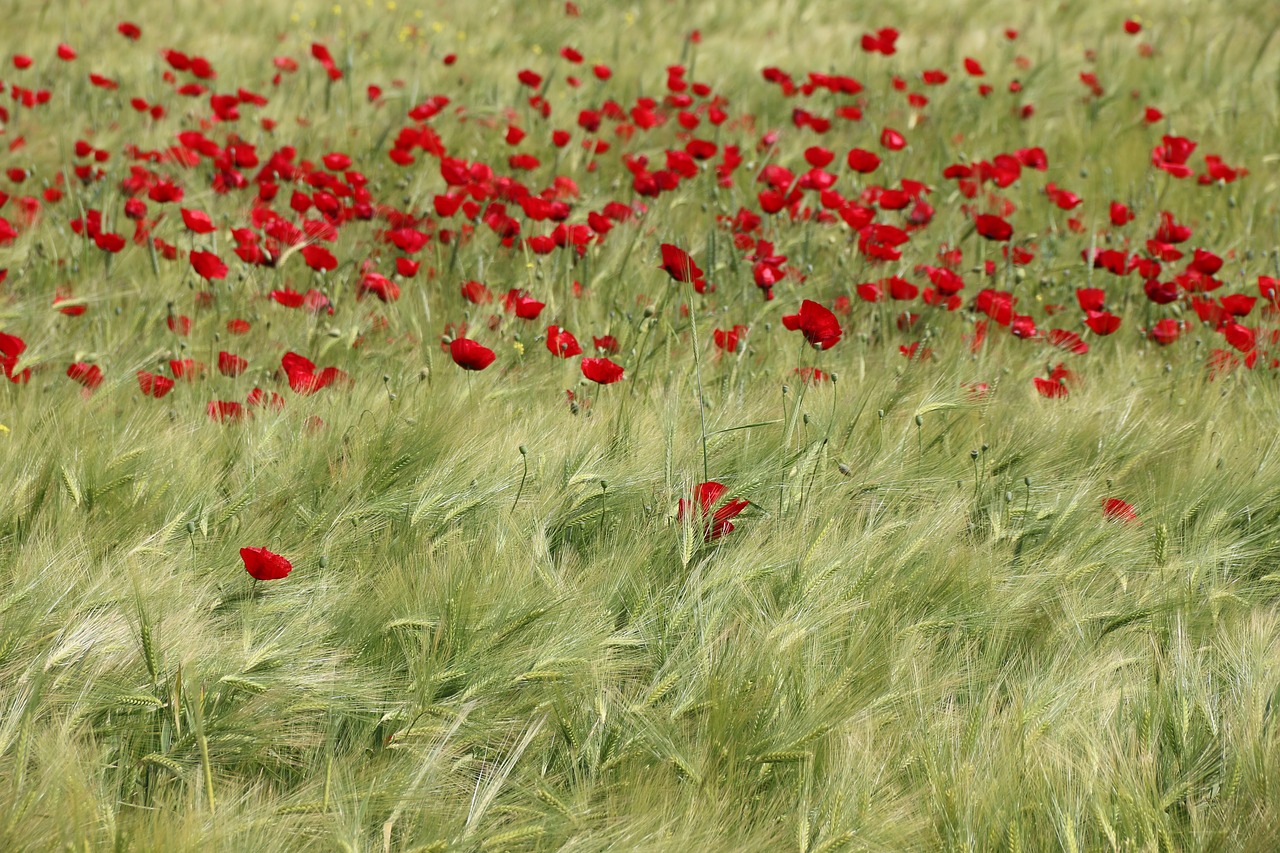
x=302, y=375
x=606, y=344
x=993, y=227
x=63, y=294
x=1115, y=509
x=524, y=305
x=231, y=365
x=319, y=258
x=679, y=265
x=208, y=265
x=379, y=285
x=197, y=221
x=819, y=326
x=1102, y=322
x=561, y=342
x=186, y=368
x=88, y=375
x=153, y=385
x=476, y=293
x=601, y=370
x=715, y=519
x=892, y=140
x=263, y=565
x=1172, y=156
x=863, y=161
x=470, y=355
x=1051, y=388
x=12, y=346
x=728, y=339
x=225, y=410
x=1165, y=331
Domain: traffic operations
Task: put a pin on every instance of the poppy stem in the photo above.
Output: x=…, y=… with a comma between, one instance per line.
x=524, y=457
x=697, y=362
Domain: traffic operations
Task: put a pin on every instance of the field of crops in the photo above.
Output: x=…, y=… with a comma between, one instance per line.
x=658, y=426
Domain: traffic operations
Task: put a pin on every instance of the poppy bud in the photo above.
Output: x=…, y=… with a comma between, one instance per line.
x=523, y=450
x=973, y=454
x=1008, y=497
x=1026, y=481
x=844, y=469
x=324, y=562
x=191, y=528
x=919, y=421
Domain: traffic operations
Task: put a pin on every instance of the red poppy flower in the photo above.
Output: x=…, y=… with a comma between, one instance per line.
x=715, y=519
x=470, y=355
x=1172, y=156
x=63, y=295
x=601, y=370
x=818, y=325
x=12, y=346
x=153, y=385
x=263, y=565
x=561, y=342
x=379, y=285
x=197, y=221
x=302, y=375
x=288, y=297
x=1102, y=322
x=1120, y=214
x=1165, y=331
x=679, y=265
x=882, y=41
x=208, y=265
x=728, y=339
x=607, y=344
x=237, y=326
x=223, y=411
x=476, y=293
x=186, y=368
x=1051, y=388
x=522, y=304
x=993, y=227
x=88, y=375
x=319, y=258
x=231, y=365
x=863, y=161
x=1241, y=337
x=892, y=140
x=258, y=397
x=1115, y=509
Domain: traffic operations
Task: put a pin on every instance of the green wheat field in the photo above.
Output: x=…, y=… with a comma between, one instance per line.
x=997, y=569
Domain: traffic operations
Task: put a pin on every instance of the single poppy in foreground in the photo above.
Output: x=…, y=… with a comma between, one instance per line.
x=263, y=565
x=715, y=519
x=601, y=370
x=470, y=355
